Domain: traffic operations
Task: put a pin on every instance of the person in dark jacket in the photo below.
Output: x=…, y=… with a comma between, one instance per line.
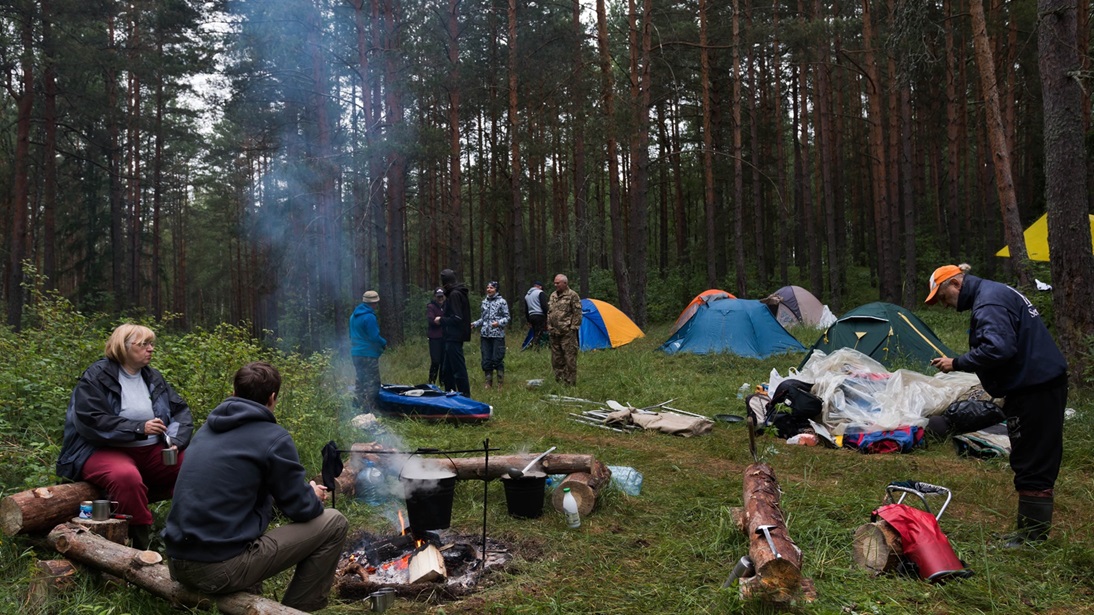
x=1016, y=359
x=242, y=464
x=122, y=413
x=367, y=346
x=435, y=334
x=456, y=323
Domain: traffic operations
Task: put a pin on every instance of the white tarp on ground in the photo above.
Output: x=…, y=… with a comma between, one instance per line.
x=859, y=392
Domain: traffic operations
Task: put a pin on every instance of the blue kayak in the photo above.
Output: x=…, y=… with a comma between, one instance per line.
x=425, y=401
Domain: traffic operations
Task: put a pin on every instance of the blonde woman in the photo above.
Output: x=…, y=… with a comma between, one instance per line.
x=122, y=413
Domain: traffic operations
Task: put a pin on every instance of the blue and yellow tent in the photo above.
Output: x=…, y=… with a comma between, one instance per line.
x=743, y=327
x=604, y=326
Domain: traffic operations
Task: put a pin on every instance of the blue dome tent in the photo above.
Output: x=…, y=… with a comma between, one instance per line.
x=742, y=327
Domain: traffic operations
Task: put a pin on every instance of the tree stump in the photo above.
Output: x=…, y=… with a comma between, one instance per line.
x=114, y=530
x=52, y=577
x=585, y=486
x=877, y=547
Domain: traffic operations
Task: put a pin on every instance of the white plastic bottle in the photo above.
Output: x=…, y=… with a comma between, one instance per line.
x=569, y=506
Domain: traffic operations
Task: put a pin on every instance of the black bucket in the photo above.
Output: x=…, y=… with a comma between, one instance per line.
x=524, y=496
x=429, y=501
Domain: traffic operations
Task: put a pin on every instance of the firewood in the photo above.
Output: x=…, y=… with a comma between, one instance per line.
x=38, y=510
x=877, y=547
x=426, y=564
x=778, y=577
x=114, y=530
x=78, y=544
x=585, y=486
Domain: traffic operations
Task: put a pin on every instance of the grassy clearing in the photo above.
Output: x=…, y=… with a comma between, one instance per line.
x=669, y=549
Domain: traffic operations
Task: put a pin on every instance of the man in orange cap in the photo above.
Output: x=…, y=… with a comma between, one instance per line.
x=1016, y=359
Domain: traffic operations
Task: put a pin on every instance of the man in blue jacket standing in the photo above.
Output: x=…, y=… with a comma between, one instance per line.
x=367, y=346
x=239, y=466
x=1015, y=357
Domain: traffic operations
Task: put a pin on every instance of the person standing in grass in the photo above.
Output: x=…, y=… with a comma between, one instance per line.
x=368, y=345
x=535, y=311
x=563, y=324
x=456, y=323
x=435, y=334
x=1016, y=359
x=492, y=323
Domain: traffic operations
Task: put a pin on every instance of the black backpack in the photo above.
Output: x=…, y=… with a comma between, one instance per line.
x=802, y=403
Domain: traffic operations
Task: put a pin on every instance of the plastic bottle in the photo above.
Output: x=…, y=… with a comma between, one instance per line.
x=569, y=506
x=369, y=484
x=746, y=389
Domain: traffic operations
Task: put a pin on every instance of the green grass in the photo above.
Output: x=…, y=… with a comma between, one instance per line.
x=669, y=549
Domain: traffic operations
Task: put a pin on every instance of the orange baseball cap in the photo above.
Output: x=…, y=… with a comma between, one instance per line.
x=939, y=276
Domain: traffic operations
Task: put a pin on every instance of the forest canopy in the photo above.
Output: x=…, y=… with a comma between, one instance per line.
x=265, y=162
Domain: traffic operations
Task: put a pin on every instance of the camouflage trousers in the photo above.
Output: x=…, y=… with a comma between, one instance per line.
x=564, y=349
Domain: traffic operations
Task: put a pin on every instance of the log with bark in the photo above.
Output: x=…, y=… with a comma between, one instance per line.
x=469, y=468
x=114, y=530
x=52, y=577
x=585, y=487
x=143, y=568
x=38, y=510
x=778, y=576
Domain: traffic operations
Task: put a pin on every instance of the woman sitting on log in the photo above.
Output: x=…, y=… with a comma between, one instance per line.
x=120, y=417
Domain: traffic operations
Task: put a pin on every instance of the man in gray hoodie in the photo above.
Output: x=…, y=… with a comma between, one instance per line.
x=241, y=463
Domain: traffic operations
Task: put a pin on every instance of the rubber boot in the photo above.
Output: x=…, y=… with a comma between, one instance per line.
x=1034, y=521
x=140, y=536
x=489, y=376
x=501, y=378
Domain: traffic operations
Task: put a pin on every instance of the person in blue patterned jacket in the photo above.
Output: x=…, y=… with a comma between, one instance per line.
x=492, y=323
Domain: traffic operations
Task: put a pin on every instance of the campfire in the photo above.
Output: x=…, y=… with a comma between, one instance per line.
x=434, y=564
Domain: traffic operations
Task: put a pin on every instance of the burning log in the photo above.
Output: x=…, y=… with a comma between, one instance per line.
x=38, y=510
x=877, y=546
x=585, y=486
x=426, y=564
x=148, y=572
x=775, y=557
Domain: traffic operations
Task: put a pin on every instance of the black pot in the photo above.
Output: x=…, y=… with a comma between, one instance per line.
x=429, y=501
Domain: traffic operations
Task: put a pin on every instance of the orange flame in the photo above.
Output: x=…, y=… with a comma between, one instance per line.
x=402, y=524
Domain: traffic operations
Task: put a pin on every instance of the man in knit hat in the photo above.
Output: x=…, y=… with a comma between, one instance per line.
x=1015, y=357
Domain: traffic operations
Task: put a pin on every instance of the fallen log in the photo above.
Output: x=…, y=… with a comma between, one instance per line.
x=776, y=559
x=877, y=547
x=585, y=487
x=470, y=468
x=38, y=510
x=134, y=566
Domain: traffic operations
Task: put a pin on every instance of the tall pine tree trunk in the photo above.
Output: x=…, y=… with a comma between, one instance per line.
x=1065, y=189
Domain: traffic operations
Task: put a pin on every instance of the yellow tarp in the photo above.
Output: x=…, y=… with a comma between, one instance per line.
x=1037, y=240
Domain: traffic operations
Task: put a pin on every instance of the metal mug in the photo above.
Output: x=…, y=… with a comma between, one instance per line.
x=170, y=456
x=101, y=510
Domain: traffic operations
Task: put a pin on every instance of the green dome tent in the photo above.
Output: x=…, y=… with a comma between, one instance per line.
x=886, y=332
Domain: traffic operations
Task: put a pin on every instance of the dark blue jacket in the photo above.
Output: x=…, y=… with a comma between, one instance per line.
x=1009, y=346
x=457, y=314
x=364, y=333
x=240, y=464
x=93, y=417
